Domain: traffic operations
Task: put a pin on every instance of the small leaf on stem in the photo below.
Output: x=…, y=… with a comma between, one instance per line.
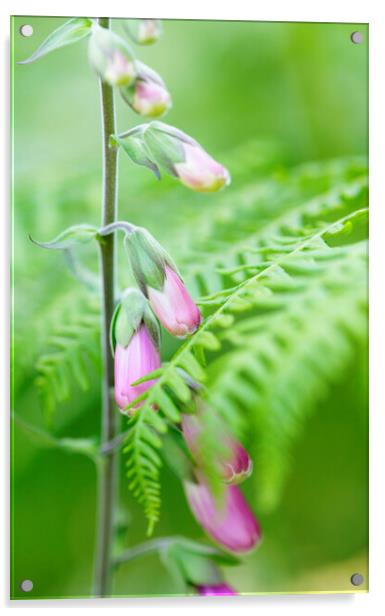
x=71, y=32
x=73, y=236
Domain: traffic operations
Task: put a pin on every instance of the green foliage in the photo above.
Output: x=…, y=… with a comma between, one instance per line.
x=278, y=263
x=284, y=308
x=71, y=357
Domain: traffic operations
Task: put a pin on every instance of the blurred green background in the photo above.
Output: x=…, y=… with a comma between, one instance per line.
x=299, y=93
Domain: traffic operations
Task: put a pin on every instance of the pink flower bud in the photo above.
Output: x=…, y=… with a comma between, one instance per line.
x=143, y=31
x=173, y=305
x=231, y=522
x=215, y=590
x=150, y=99
x=234, y=467
x=149, y=31
x=111, y=57
x=138, y=358
x=119, y=70
x=200, y=171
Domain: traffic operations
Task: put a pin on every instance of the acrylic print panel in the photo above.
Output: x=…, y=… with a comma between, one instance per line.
x=190, y=337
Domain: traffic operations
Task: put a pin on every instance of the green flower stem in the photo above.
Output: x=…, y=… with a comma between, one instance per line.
x=121, y=225
x=154, y=545
x=107, y=469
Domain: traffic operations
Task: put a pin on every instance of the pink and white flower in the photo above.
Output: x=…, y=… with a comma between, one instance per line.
x=234, y=467
x=149, y=31
x=150, y=99
x=119, y=69
x=199, y=171
x=230, y=523
x=174, y=306
x=133, y=362
x=111, y=57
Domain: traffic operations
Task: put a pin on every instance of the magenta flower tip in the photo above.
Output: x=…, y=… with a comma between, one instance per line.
x=216, y=590
x=239, y=466
x=234, y=466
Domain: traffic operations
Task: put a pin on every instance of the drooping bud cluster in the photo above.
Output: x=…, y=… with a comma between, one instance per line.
x=135, y=334
x=228, y=520
x=158, y=278
x=140, y=86
x=160, y=146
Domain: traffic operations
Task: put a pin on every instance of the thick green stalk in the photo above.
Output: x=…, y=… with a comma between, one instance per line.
x=107, y=469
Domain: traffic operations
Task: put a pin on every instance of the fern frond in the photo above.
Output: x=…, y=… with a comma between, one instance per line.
x=297, y=275
x=72, y=353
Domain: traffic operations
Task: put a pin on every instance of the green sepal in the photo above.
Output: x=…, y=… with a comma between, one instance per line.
x=71, y=32
x=73, y=236
x=130, y=313
x=147, y=258
x=156, y=144
x=197, y=569
x=167, y=557
x=112, y=328
x=146, y=73
x=102, y=45
x=165, y=146
x=127, y=317
x=136, y=149
x=214, y=553
x=152, y=325
x=127, y=94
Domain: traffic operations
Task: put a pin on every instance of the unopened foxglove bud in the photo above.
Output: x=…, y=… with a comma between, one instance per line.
x=159, y=280
x=135, y=341
x=143, y=31
x=231, y=522
x=148, y=96
x=215, y=590
x=234, y=466
x=184, y=158
x=111, y=57
x=199, y=171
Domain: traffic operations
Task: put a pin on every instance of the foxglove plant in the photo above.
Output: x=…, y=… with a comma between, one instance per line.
x=130, y=330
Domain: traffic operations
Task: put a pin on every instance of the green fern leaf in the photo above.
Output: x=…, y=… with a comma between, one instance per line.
x=72, y=356
x=279, y=300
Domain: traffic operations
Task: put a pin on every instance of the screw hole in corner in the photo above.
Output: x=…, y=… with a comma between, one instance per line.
x=356, y=38
x=26, y=30
x=26, y=585
x=357, y=579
